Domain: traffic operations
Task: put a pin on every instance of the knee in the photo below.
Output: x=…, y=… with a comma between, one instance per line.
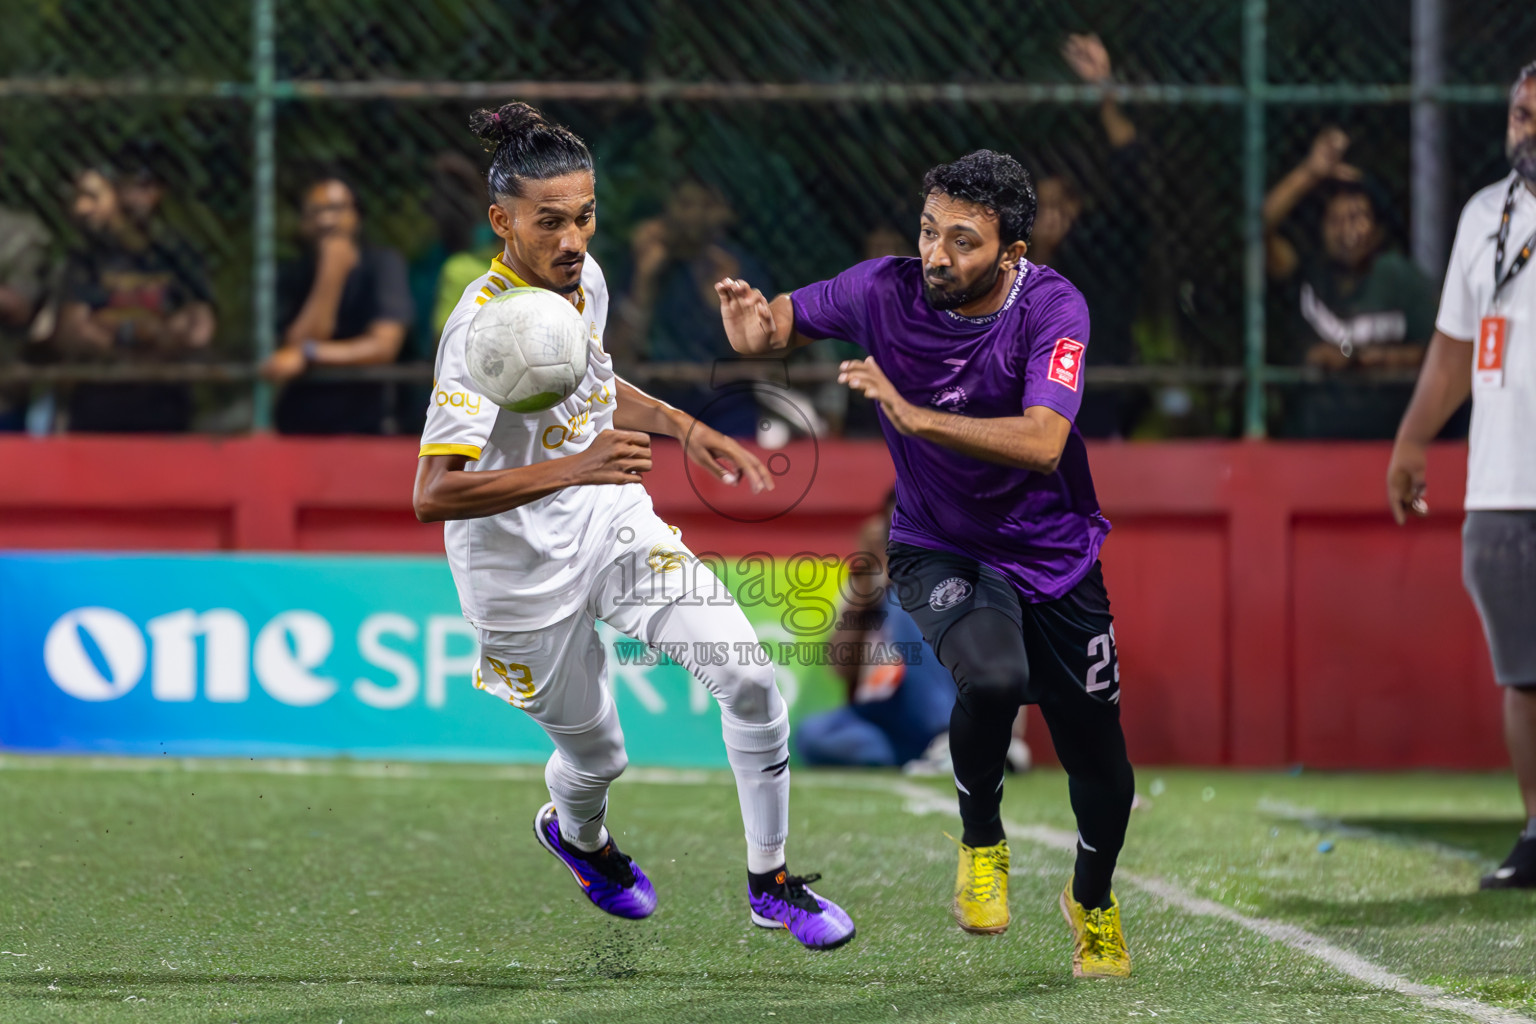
x=599, y=763
x=991, y=683
x=984, y=652
x=609, y=763
x=750, y=693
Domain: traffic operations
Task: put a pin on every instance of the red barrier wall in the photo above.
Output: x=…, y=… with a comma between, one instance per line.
x=1267, y=609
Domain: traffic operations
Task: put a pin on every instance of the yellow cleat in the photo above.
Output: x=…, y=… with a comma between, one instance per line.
x=981, y=889
x=1098, y=943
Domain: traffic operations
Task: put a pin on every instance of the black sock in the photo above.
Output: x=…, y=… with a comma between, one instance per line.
x=759, y=882
x=1101, y=784
x=1089, y=876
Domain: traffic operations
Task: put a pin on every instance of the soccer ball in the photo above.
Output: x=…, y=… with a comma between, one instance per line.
x=527, y=349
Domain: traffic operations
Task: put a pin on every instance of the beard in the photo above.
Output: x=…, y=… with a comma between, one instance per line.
x=943, y=299
x=1522, y=157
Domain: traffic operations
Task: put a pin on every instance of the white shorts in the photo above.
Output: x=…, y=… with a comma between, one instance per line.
x=558, y=673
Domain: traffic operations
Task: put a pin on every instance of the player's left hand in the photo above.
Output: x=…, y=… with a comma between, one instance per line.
x=866, y=377
x=725, y=458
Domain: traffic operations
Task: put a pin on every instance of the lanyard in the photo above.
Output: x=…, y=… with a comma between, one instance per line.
x=1500, y=278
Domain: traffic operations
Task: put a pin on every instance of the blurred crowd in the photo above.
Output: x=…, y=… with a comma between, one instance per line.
x=130, y=290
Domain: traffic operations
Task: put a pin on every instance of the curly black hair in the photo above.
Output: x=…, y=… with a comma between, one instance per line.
x=994, y=180
x=524, y=144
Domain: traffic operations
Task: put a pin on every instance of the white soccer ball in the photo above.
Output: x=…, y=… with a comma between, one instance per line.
x=527, y=349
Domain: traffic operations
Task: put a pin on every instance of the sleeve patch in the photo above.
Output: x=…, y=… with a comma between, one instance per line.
x=1067, y=363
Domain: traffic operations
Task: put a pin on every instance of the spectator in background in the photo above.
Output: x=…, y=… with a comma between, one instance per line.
x=898, y=707
x=344, y=303
x=1100, y=246
x=671, y=313
x=141, y=183
x=467, y=239
x=24, y=261
x=135, y=294
x=457, y=254
x=1359, y=302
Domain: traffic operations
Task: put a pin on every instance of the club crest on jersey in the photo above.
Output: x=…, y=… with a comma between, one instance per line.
x=1067, y=363
x=664, y=559
x=949, y=593
x=950, y=399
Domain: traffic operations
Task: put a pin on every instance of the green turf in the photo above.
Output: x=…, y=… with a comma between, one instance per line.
x=142, y=891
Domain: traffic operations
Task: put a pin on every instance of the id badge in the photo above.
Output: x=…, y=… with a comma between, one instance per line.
x=1492, y=338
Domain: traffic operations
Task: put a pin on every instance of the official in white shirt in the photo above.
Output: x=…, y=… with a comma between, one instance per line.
x=1485, y=345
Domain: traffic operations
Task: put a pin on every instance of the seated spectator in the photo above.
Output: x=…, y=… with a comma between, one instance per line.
x=1358, y=303
x=898, y=708
x=671, y=314
x=1100, y=246
x=345, y=303
x=23, y=279
x=136, y=293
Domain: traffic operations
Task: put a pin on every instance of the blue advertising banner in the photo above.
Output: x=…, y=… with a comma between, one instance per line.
x=282, y=656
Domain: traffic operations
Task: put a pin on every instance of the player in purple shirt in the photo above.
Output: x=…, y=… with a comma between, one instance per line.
x=976, y=361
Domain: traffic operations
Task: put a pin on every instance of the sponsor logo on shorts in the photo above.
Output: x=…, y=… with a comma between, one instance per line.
x=949, y=593
x=1067, y=363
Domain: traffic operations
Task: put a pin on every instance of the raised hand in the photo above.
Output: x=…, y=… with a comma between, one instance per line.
x=1326, y=160
x=748, y=320
x=1087, y=57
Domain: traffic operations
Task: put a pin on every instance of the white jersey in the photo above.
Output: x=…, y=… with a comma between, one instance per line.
x=1501, y=457
x=534, y=565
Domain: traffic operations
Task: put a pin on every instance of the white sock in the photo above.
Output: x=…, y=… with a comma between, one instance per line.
x=581, y=803
x=759, y=756
x=761, y=860
x=576, y=842
x=1530, y=829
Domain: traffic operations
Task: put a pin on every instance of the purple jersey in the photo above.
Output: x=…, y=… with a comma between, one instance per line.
x=1040, y=530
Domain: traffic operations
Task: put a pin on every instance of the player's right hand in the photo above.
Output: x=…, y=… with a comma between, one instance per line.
x=747, y=317
x=1406, y=481
x=614, y=457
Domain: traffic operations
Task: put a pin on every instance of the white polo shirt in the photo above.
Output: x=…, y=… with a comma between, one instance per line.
x=1501, y=460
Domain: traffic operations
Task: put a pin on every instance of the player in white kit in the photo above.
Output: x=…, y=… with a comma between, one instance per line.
x=547, y=532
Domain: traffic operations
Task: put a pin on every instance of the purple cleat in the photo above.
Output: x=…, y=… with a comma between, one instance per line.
x=784, y=901
x=608, y=878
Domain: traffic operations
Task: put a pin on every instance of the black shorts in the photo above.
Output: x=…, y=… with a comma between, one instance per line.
x=1070, y=641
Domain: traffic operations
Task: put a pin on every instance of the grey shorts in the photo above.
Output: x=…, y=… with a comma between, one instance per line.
x=1498, y=566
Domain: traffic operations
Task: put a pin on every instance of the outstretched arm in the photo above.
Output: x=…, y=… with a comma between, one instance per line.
x=1033, y=441
x=755, y=326
x=722, y=456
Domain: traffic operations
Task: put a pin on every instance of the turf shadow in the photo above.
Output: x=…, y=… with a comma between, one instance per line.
x=1518, y=907
x=1490, y=837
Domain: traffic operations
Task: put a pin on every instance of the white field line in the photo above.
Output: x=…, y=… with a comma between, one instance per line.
x=920, y=800
x=1318, y=822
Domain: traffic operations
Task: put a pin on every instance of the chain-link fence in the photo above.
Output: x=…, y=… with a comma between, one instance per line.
x=807, y=125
